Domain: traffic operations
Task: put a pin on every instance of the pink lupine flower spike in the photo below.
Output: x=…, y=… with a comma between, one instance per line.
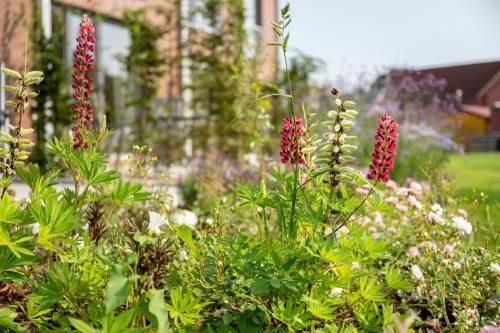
x=83, y=114
x=385, y=149
x=289, y=150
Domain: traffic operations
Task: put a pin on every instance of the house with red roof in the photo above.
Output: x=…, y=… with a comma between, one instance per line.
x=477, y=88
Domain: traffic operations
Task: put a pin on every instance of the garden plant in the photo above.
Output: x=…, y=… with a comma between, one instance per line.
x=314, y=245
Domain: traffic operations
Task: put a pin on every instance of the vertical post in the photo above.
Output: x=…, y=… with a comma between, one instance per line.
x=46, y=15
x=187, y=112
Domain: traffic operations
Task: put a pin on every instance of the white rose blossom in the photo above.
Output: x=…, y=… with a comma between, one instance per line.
x=156, y=220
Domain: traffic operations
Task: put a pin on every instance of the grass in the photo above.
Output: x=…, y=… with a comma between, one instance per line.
x=476, y=173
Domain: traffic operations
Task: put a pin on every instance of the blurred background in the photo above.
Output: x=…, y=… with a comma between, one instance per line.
x=187, y=77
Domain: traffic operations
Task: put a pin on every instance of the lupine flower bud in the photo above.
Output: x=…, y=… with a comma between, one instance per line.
x=385, y=149
x=289, y=138
x=83, y=114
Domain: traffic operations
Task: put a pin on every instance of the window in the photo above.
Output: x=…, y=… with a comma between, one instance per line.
x=196, y=13
x=258, y=12
x=112, y=46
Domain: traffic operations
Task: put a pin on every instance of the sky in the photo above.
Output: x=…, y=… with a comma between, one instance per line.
x=359, y=38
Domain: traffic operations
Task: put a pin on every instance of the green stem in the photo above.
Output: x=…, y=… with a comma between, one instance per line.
x=292, y=227
x=354, y=211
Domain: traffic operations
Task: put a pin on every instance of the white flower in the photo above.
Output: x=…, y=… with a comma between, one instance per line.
x=462, y=225
x=80, y=244
x=183, y=256
x=436, y=208
x=391, y=200
x=355, y=265
x=416, y=188
x=185, y=217
x=336, y=291
x=495, y=268
x=417, y=273
x=414, y=202
x=209, y=221
x=35, y=227
x=156, y=220
x=403, y=191
x=328, y=231
x=252, y=159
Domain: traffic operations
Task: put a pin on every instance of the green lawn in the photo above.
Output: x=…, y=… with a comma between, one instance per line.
x=476, y=173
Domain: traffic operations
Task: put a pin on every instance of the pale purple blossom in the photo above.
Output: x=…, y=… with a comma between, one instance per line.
x=402, y=207
x=448, y=250
x=413, y=251
x=417, y=273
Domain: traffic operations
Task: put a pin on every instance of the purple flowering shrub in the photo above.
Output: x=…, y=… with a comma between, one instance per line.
x=421, y=105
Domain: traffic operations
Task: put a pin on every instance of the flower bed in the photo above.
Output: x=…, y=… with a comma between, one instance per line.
x=316, y=246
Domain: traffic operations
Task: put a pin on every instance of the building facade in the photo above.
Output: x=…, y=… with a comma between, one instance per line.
x=113, y=41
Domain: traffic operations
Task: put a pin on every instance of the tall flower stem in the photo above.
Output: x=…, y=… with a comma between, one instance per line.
x=279, y=28
x=292, y=231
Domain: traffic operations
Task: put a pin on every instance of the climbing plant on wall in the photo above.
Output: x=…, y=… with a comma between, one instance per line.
x=145, y=64
x=215, y=54
x=51, y=113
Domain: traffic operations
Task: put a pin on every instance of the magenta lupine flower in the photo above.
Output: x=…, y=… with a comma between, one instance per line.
x=288, y=144
x=83, y=113
x=385, y=149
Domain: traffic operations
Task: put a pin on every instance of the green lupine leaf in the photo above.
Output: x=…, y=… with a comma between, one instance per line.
x=158, y=309
x=117, y=290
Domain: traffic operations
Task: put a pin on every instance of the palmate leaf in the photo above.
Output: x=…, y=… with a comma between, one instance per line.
x=370, y=290
x=184, y=307
x=122, y=193
x=63, y=282
x=94, y=172
x=38, y=183
x=7, y=322
x=18, y=246
x=321, y=309
x=374, y=248
x=55, y=219
x=8, y=261
x=294, y=316
x=394, y=280
x=9, y=212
